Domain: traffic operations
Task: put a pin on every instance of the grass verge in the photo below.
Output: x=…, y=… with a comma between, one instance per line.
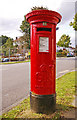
x=3, y=63
x=65, y=89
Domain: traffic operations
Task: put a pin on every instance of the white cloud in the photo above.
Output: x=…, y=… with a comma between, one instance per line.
x=67, y=10
x=12, y=13
x=18, y=8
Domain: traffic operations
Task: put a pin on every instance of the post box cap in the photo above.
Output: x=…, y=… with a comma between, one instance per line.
x=43, y=16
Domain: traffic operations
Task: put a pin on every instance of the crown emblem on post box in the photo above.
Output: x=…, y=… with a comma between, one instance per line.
x=44, y=23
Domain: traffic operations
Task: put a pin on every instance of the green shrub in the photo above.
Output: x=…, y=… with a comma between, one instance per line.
x=61, y=54
x=60, y=50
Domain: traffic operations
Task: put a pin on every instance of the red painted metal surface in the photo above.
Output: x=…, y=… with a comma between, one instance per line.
x=43, y=64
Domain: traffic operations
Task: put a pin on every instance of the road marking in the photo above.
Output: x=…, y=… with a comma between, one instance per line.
x=6, y=95
x=64, y=71
x=0, y=69
x=3, y=69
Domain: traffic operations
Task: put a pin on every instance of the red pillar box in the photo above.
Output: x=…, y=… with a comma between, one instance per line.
x=43, y=59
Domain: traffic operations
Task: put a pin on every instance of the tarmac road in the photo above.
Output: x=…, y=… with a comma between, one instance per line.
x=16, y=80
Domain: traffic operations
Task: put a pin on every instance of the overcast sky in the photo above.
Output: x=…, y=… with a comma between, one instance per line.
x=12, y=13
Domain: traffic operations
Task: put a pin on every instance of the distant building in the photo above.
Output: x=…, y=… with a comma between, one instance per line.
x=70, y=49
x=20, y=45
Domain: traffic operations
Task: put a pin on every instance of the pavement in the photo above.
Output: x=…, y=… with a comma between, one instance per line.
x=16, y=80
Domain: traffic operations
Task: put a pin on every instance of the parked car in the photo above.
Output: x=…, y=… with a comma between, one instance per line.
x=70, y=54
x=21, y=58
x=5, y=59
x=14, y=58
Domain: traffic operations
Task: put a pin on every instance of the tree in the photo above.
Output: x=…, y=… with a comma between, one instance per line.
x=64, y=41
x=3, y=39
x=25, y=27
x=8, y=45
x=74, y=23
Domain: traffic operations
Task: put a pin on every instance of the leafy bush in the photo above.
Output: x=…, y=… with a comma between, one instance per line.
x=39, y=8
x=61, y=54
x=60, y=50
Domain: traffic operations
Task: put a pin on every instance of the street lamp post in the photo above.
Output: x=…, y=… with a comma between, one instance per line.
x=9, y=54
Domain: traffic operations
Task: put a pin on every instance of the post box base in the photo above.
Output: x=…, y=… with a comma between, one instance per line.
x=43, y=103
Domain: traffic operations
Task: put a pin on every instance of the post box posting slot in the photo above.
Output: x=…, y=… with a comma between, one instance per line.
x=44, y=29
